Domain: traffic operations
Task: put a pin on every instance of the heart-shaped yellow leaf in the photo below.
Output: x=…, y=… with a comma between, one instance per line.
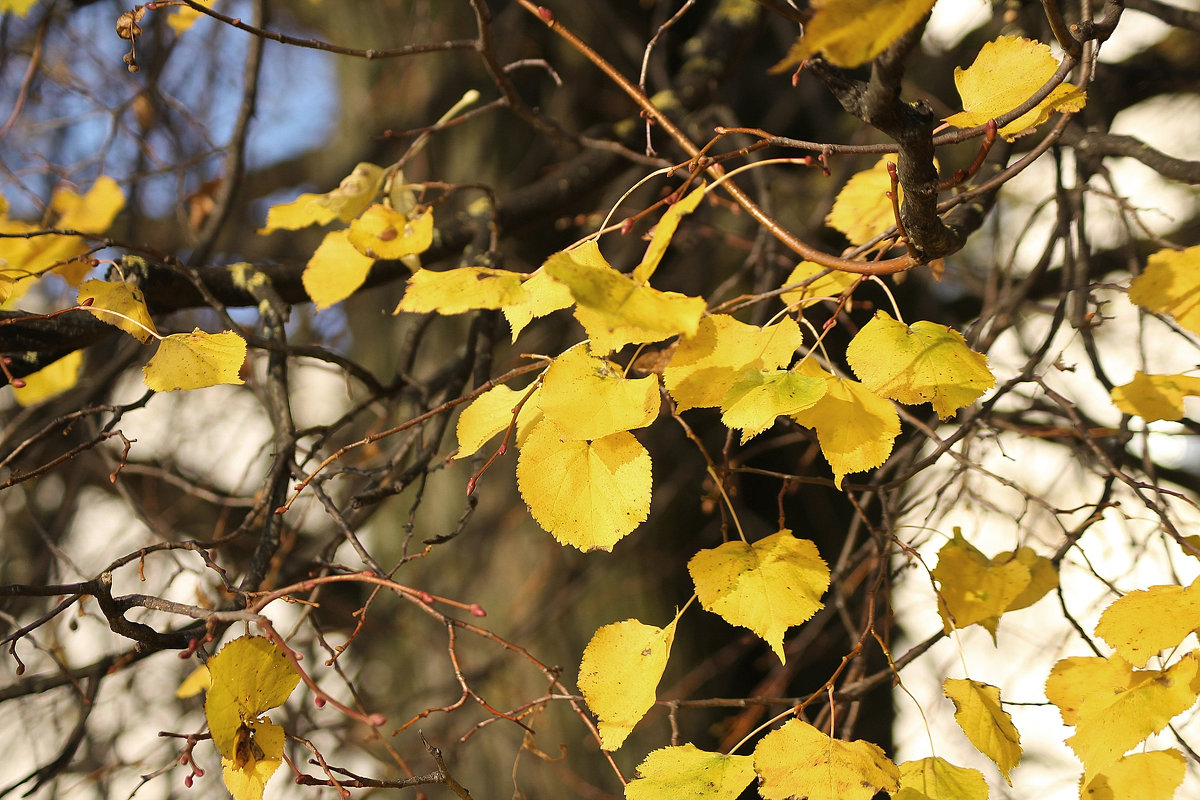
x=918, y=363
x=988, y=726
x=589, y=495
x=768, y=586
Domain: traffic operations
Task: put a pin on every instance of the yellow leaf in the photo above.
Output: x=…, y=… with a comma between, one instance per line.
x=830, y=285
x=1138, y=776
x=688, y=772
x=184, y=17
x=250, y=675
x=123, y=298
x=540, y=295
x=588, y=398
x=198, y=681
x=258, y=754
x=855, y=427
x=335, y=271
x=1120, y=711
x=989, y=727
x=852, y=32
x=383, y=232
x=1145, y=622
x=52, y=379
x=922, y=362
x=1155, y=397
x=92, y=212
x=1072, y=680
x=457, y=291
x=1043, y=576
x=1005, y=74
x=938, y=779
x=587, y=494
x=768, y=586
x=491, y=413
x=663, y=233
x=196, y=360
x=798, y=761
x=1171, y=285
x=622, y=310
x=862, y=209
x=352, y=197
x=18, y=7
x=707, y=364
x=758, y=397
x=976, y=590
x=619, y=675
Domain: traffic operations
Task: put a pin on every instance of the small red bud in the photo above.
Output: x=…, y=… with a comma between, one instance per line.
x=546, y=14
x=377, y=720
x=471, y=486
x=17, y=383
x=319, y=701
x=281, y=510
x=20, y=669
x=426, y=598
x=187, y=781
x=87, y=301
x=477, y=610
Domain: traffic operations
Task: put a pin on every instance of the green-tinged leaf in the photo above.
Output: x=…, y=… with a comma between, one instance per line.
x=126, y=300
x=1005, y=74
x=688, y=773
x=196, y=360
x=1170, y=284
x=588, y=398
x=51, y=380
x=1138, y=776
x=706, y=364
x=938, y=779
x=757, y=397
x=617, y=309
x=798, y=761
x=988, y=726
x=589, y=495
x=619, y=675
x=663, y=233
x=768, y=586
x=918, y=363
x=383, y=232
x=1155, y=397
x=852, y=32
x=335, y=270
x=457, y=291
x=491, y=413
x=855, y=427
